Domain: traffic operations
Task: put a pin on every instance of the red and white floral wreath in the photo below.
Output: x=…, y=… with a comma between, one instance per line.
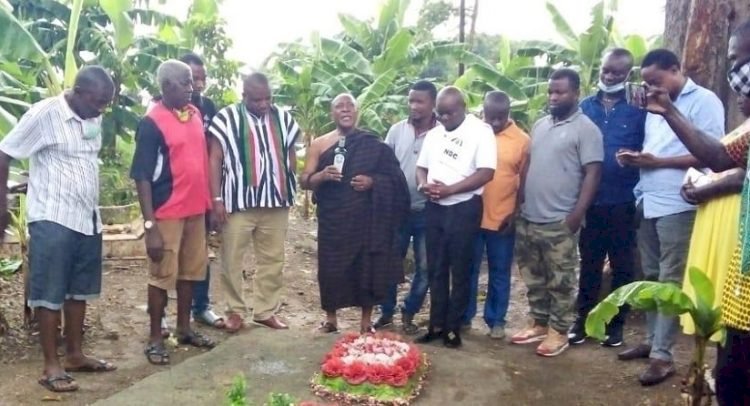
x=379, y=359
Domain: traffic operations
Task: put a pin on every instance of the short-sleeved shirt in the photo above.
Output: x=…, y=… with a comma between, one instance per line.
x=500, y=196
x=258, y=170
x=172, y=156
x=64, y=164
x=622, y=128
x=659, y=189
x=559, y=152
x=452, y=156
x=407, y=145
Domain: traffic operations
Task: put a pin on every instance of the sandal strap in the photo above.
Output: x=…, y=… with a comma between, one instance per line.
x=196, y=339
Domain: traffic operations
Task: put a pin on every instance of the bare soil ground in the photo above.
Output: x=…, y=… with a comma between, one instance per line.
x=117, y=330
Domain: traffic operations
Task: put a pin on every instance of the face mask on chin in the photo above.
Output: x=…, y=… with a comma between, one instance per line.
x=618, y=87
x=92, y=128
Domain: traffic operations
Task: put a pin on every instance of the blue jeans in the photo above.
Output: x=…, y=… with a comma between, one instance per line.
x=200, y=293
x=499, y=260
x=414, y=228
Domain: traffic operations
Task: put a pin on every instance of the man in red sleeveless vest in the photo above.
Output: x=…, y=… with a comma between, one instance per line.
x=170, y=168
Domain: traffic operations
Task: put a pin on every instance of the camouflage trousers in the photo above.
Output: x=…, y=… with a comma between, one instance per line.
x=547, y=258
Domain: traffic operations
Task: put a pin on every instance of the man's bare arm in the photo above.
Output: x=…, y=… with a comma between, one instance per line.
x=473, y=181
x=591, y=178
x=307, y=180
x=706, y=149
x=216, y=166
x=143, y=187
x=421, y=176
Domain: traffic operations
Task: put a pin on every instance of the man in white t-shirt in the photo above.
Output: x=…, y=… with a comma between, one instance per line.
x=458, y=157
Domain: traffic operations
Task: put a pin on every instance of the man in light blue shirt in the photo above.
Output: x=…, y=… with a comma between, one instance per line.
x=666, y=220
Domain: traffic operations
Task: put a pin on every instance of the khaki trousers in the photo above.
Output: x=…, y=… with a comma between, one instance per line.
x=266, y=228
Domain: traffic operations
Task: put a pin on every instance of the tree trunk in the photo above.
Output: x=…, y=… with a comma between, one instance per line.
x=473, y=25
x=698, y=31
x=461, y=31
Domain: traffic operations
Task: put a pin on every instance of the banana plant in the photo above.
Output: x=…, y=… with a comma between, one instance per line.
x=670, y=300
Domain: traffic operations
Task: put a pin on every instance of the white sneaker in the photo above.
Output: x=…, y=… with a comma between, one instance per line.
x=497, y=332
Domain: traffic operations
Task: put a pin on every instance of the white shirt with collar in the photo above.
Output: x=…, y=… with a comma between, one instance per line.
x=64, y=164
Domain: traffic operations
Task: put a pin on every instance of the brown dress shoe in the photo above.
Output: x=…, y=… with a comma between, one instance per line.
x=640, y=351
x=657, y=372
x=272, y=322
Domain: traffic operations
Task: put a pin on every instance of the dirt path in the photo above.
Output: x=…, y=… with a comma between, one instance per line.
x=586, y=375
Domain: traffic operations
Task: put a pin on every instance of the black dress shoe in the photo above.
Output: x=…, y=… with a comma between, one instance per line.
x=431, y=335
x=657, y=372
x=640, y=351
x=452, y=339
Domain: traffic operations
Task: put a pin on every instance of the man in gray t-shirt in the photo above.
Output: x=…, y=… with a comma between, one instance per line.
x=564, y=172
x=406, y=138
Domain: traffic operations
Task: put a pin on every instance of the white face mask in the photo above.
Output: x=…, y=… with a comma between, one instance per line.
x=92, y=128
x=611, y=89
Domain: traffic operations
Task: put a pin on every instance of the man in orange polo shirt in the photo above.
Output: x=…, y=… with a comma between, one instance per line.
x=500, y=201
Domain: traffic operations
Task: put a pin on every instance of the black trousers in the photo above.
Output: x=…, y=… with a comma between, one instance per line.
x=733, y=369
x=450, y=234
x=610, y=231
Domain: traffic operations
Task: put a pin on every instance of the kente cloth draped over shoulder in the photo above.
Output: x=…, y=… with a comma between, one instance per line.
x=358, y=260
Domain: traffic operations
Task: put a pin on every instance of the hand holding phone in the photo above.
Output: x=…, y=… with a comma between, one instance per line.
x=636, y=94
x=625, y=156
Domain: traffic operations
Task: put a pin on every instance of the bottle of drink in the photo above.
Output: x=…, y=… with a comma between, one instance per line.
x=339, y=155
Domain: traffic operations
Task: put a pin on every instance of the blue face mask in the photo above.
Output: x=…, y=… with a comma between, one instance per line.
x=92, y=128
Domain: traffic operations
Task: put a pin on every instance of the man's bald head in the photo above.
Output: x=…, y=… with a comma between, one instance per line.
x=452, y=92
x=344, y=112
x=496, y=110
x=93, y=90
x=343, y=97
x=256, y=94
x=94, y=78
x=175, y=80
x=451, y=107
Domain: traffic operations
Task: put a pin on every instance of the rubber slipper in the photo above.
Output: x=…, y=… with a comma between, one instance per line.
x=197, y=340
x=49, y=382
x=95, y=366
x=156, y=354
x=326, y=327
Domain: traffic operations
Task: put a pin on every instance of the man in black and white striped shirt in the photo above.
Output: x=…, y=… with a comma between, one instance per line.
x=62, y=136
x=253, y=162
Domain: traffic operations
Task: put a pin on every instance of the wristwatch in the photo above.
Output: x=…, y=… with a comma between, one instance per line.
x=148, y=224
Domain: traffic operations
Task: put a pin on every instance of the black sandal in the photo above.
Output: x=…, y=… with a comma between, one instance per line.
x=197, y=340
x=326, y=327
x=69, y=384
x=156, y=354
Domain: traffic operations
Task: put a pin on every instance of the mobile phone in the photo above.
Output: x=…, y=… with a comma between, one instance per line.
x=635, y=94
